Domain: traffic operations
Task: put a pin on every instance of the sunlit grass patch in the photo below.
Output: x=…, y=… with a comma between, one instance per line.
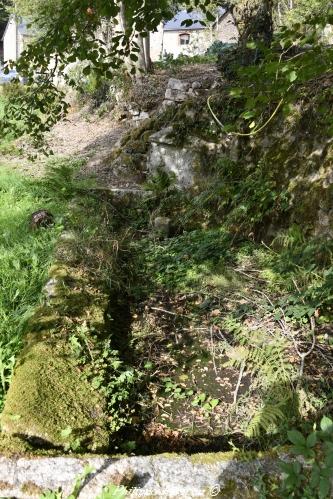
x=25, y=256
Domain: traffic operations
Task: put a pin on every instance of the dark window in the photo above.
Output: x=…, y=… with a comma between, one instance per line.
x=184, y=39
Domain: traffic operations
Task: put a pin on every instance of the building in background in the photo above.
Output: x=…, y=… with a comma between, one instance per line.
x=174, y=38
x=15, y=39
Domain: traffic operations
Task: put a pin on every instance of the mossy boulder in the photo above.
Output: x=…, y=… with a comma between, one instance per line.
x=48, y=395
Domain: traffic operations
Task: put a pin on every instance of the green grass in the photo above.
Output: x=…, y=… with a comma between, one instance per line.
x=25, y=256
x=2, y=105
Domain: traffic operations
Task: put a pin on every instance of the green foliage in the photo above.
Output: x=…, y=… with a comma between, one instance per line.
x=271, y=372
x=179, y=263
x=303, y=10
x=67, y=34
x=113, y=492
x=245, y=198
x=311, y=477
x=106, y=372
x=24, y=260
x=60, y=177
x=207, y=403
x=168, y=61
x=109, y=491
x=217, y=47
x=305, y=267
x=71, y=443
x=4, y=11
x=161, y=183
x=268, y=79
x=176, y=390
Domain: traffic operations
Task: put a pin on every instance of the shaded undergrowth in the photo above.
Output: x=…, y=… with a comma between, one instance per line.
x=201, y=345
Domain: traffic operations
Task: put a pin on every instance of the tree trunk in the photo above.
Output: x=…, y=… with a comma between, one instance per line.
x=122, y=16
x=149, y=64
x=254, y=20
x=141, y=62
x=143, y=65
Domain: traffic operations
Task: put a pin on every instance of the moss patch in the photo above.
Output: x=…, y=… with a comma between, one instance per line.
x=48, y=395
x=31, y=489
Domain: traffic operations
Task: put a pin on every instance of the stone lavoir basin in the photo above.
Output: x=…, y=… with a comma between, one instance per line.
x=55, y=423
x=162, y=476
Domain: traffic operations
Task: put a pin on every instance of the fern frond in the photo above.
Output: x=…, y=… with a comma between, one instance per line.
x=264, y=419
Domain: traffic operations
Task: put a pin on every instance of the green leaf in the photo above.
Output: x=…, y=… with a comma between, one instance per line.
x=329, y=460
x=292, y=76
x=326, y=424
x=311, y=440
x=210, y=17
x=248, y=115
x=296, y=438
x=324, y=488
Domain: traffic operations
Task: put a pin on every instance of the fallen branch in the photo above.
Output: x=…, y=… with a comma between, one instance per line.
x=250, y=276
x=241, y=372
x=174, y=314
x=213, y=348
x=306, y=354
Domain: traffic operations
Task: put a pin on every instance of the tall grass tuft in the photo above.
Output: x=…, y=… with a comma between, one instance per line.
x=24, y=260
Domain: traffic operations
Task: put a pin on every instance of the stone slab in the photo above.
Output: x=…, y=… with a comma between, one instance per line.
x=160, y=476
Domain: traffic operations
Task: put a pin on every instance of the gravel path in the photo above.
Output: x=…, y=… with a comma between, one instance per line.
x=93, y=140
x=80, y=136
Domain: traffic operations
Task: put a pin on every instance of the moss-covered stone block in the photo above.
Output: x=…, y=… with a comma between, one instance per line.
x=48, y=394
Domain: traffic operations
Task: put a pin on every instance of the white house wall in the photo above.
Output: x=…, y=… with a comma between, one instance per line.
x=199, y=42
x=156, y=43
x=10, y=48
x=22, y=42
x=227, y=31
x=168, y=42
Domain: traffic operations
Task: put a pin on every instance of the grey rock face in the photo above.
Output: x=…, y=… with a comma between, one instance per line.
x=175, y=95
x=177, y=92
x=196, y=85
x=50, y=288
x=151, y=476
x=134, y=112
x=175, y=160
x=162, y=226
x=179, y=85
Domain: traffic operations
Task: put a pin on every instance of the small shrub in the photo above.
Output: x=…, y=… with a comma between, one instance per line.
x=312, y=477
x=217, y=47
